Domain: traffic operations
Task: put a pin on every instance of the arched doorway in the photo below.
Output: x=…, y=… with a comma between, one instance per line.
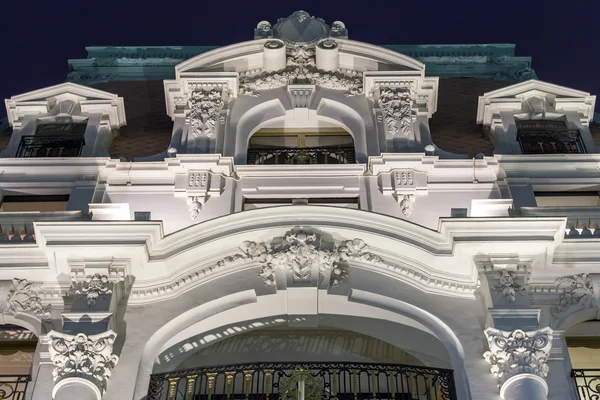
x=301, y=146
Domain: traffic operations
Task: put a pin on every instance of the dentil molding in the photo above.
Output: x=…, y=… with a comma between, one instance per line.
x=88, y=357
x=23, y=296
x=518, y=352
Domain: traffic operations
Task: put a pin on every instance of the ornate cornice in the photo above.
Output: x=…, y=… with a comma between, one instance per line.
x=88, y=357
x=23, y=297
x=518, y=352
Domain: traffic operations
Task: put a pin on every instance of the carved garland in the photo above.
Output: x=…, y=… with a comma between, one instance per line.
x=396, y=104
x=84, y=356
x=518, y=352
x=23, y=297
x=301, y=251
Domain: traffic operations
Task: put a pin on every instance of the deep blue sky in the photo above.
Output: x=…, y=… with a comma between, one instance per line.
x=39, y=36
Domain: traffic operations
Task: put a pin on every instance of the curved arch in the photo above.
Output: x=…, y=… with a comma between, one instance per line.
x=577, y=317
x=27, y=321
x=229, y=309
x=250, y=47
x=328, y=110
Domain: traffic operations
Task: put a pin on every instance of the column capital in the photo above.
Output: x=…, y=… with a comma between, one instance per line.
x=518, y=352
x=81, y=356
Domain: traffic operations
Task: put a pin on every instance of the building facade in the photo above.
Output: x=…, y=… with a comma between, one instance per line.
x=300, y=216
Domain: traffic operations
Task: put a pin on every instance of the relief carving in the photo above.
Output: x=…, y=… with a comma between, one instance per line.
x=94, y=286
x=396, y=104
x=578, y=294
x=205, y=106
x=23, y=297
x=301, y=251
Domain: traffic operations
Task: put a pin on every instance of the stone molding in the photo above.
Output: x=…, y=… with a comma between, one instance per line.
x=518, y=352
x=24, y=296
x=89, y=357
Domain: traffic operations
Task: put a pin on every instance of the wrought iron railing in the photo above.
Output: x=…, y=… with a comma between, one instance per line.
x=304, y=381
x=551, y=142
x=13, y=387
x=317, y=155
x=587, y=382
x=50, y=146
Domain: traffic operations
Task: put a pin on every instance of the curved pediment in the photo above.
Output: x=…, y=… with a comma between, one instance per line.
x=247, y=58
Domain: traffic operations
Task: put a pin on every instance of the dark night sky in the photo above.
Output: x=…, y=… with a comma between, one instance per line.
x=40, y=36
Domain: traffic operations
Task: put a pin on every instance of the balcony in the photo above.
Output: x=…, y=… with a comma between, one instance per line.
x=38, y=146
x=17, y=227
x=587, y=382
x=539, y=141
x=317, y=155
x=299, y=381
x=13, y=387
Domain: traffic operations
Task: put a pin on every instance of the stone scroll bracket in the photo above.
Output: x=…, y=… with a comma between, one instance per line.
x=406, y=186
x=198, y=186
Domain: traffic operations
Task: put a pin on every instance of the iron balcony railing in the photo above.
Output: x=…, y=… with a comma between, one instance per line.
x=304, y=381
x=587, y=382
x=318, y=155
x=13, y=387
x=50, y=146
x=551, y=141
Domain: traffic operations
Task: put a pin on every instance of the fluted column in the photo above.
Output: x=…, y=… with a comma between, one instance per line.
x=518, y=360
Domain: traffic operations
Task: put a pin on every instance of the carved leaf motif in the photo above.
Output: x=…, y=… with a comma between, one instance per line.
x=205, y=106
x=23, y=297
x=396, y=104
x=579, y=293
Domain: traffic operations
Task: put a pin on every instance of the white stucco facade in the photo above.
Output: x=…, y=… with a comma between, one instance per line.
x=195, y=257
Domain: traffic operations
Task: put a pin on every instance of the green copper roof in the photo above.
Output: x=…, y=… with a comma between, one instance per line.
x=493, y=61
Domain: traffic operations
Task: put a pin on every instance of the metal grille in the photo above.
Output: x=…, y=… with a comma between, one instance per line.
x=304, y=381
x=13, y=387
x=551, y=142
x=50, y=146
x=587, y=382
x=320, y=155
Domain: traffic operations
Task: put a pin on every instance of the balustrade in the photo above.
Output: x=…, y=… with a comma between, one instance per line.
x=17, y=227
x=13, y=387
x=321, y=155
x=300, y=381
x=587, y=382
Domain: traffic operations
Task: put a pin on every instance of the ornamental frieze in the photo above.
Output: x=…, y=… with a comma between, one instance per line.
x=301, y=252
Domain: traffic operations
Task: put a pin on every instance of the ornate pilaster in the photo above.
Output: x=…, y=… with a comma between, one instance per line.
x=517, y=356
x=84, y=357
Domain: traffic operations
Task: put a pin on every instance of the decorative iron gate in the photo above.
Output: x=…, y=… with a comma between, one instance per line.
x=304, y=381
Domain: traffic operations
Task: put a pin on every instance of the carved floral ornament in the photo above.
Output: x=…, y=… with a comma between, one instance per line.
x=578, y=294
x=88, y=357
x=508, y=286
x=23, y=297
x=205, y=106
x=301, y=251
x=396, y=105
x=301, y=68
x=518, y=352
